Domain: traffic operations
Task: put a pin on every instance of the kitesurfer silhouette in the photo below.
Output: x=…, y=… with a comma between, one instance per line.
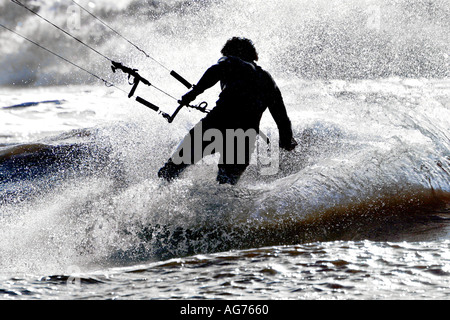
x=247, y=91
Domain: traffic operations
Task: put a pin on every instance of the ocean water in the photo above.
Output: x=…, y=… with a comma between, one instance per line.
x=360, y=210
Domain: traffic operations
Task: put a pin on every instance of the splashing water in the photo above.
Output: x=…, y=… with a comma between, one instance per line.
x=366, y=87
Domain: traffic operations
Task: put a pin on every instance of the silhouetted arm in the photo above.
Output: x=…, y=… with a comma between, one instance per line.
x=209, y=79
x=278, y=111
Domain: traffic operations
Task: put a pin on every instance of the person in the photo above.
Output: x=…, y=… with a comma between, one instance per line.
x=246, y=92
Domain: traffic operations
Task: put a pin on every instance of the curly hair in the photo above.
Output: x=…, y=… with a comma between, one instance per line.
x=240, y=47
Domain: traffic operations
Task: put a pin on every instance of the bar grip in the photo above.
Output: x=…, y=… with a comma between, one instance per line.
x=181, y=79
x=147, y=104
x=133, y=89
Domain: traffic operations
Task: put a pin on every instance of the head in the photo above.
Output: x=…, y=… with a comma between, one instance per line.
x=240, y=47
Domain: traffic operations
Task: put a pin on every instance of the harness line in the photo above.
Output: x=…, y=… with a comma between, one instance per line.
x=115, y=65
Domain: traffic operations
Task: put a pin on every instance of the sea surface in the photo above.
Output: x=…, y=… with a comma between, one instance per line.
x=359, y=211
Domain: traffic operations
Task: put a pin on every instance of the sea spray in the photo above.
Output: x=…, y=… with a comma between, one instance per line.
x=314, y=40
x=368, y=149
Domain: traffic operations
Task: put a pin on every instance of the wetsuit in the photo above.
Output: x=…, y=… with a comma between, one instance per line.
x=247, y=91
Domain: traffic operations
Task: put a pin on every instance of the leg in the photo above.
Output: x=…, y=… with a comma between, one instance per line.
x=190, y=151
x=235, y=156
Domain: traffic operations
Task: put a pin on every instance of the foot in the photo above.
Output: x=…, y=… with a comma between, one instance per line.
x=171, y=171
